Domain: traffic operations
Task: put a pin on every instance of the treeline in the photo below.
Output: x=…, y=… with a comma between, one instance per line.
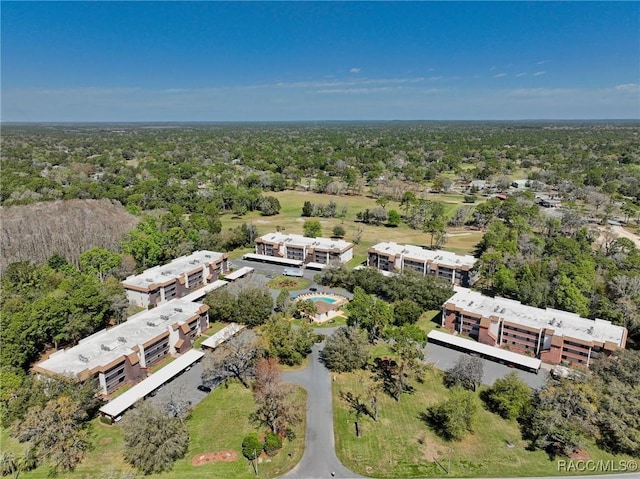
x=154, y=168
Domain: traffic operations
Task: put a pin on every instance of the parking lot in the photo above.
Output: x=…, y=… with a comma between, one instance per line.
x=445, y=358
x=183, y=388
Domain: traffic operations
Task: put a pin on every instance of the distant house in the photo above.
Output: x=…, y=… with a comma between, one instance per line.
x=176, y=279
x=395, y=258
x=308, y=251
x=124, y=353
x=551, y=335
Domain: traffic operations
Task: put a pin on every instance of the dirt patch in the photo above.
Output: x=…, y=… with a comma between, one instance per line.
x=106, y=440
x=580, y=454
x=218, y=456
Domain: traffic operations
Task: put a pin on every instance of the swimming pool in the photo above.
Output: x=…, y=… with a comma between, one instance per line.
x=326, y=299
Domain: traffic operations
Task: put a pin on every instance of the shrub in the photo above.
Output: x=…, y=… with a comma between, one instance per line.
x=272, y=444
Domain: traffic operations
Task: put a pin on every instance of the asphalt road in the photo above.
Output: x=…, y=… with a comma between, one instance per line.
x=319, y=459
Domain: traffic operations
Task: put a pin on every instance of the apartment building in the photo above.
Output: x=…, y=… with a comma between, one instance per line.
x=308, y=250
x=124, y=353
x=553, y=336
x=176, y=279
x=395, y=258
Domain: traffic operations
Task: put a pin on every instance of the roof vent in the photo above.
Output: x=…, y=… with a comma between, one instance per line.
x=178, y=310
x=104, y=347
x=495, y=310
x=122, y=339
x=151, y=323
x=552, y=322
x=148, y=280
x=503, y=310
x=164, y=317
x=82, y=358
x=559, y=324
x=470, y=303
x=194, y=261
x=590, y=330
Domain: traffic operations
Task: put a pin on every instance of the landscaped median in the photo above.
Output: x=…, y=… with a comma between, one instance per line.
x=401, y=444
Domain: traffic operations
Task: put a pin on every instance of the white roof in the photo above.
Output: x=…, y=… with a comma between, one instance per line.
x=177, y=267
x=239, y=273
x=144, y=388
x=304, y=241
x=273, y=259
x=201, y=292
x=314, y=265
x=562, y=322
x=107, y=345
x=411, y=252
x=485, y=349
x=222, y=335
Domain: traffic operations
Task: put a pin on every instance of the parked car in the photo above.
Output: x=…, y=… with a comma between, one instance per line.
x=313, y=290
x=204, y=389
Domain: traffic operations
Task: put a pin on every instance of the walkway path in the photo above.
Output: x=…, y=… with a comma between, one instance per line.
x=319, y=460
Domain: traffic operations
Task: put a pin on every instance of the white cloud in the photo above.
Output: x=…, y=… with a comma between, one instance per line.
x=539, y=92
x=355, y=70
x=358, y=91
x=500, y=75
x=537, y=74
x=435, y=78
x=542, y=62
x=628, y=88
x=523, y=74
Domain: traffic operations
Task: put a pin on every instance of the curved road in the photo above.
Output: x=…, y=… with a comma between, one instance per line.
x=319, y=460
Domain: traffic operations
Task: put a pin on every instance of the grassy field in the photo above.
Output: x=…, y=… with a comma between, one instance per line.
x=218, y=423
x=288, y=283
x=400, y=444
x=289, y=219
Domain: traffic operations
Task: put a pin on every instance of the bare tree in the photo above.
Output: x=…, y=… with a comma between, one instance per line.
x=235, y=358
x=274, y=404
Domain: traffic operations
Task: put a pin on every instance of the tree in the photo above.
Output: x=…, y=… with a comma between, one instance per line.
x=345, y=350
x=406, y=311
x=284, y=303
x=307, y=209
x=312, y=228
x=57, y=433
x=269, y=206
x=368, y=313
x=407, y=342
x=393, y=218
x=153, y=441
x=563, y=414
x=99, y=261
x=338, y=231
x=235, y=358
x=253, y=306
x=509, y=397
x=466, y=373
x=251, y=449
x=274, y=405
x=272, y=444
x=222, y=305
x=290, y=345
x=455, y=417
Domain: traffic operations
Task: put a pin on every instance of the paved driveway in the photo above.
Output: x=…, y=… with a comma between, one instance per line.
x=183, y=388
x=319, y=459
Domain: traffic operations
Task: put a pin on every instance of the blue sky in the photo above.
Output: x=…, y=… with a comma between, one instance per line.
x=275, y=61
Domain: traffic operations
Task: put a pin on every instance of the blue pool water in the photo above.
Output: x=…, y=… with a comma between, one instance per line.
x=323, y=298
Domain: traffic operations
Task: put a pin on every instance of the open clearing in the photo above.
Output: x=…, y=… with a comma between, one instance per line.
x=460, y=240
x=400, y=444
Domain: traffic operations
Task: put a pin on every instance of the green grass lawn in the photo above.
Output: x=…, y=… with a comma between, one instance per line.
x=400, y=444
x=289, y=220
x=218, y=423
x=288, y=283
